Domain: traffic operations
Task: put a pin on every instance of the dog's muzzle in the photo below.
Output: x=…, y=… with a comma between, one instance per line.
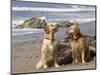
x=69, y=34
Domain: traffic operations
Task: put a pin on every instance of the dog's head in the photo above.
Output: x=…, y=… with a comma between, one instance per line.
x=73, y=30
x=51, y=28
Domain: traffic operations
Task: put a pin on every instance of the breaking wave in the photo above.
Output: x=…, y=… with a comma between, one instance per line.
x=44, y=9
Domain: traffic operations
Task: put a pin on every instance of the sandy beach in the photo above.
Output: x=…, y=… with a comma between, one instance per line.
x=25, y=55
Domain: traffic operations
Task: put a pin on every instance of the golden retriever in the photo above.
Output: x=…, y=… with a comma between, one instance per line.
x=49, y=47
x=79, y=44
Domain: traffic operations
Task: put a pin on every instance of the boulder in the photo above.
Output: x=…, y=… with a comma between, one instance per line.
x=34, y=22
x=65, y=54
x=65, y=23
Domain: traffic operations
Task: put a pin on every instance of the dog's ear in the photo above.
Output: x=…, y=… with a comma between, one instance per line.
x=57, y=26
x=77, y=27
x=76, y=23
x=46, y=29
x=77, y=30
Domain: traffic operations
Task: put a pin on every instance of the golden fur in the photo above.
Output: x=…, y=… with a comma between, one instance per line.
x=49, y=47
x=79, y=44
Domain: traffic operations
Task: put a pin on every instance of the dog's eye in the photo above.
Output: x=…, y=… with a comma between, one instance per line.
x=53, y=29
x=70, y=28
x=52, y=25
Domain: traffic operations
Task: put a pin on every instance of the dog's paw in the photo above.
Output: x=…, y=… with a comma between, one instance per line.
x=56, y=65
x=45, y=67
x=75, y=62
x=83, y=61
x=39, y=65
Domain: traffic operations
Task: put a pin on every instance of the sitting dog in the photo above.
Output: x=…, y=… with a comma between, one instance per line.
x=49, y=47
x=79, y=44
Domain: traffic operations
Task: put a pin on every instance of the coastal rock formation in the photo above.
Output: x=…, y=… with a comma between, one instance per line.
x=34, y=22
x=65, y=23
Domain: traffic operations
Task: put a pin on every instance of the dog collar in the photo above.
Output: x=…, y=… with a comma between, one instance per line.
x=49, y=38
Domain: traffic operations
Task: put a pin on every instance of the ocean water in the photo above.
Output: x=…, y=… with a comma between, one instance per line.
x=51, y=12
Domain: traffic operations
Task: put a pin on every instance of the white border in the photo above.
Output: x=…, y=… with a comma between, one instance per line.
x=5, y=36
x=86, y=2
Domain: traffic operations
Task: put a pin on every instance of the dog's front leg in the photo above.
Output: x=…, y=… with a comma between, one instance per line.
x=44, y=62
x=45, y=66
x=74, y=55
x=83, y=56
x=55, y=61
x=55, y=55
x=44, y=56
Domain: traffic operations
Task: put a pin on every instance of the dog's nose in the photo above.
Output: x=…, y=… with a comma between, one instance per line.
x=67, y=32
